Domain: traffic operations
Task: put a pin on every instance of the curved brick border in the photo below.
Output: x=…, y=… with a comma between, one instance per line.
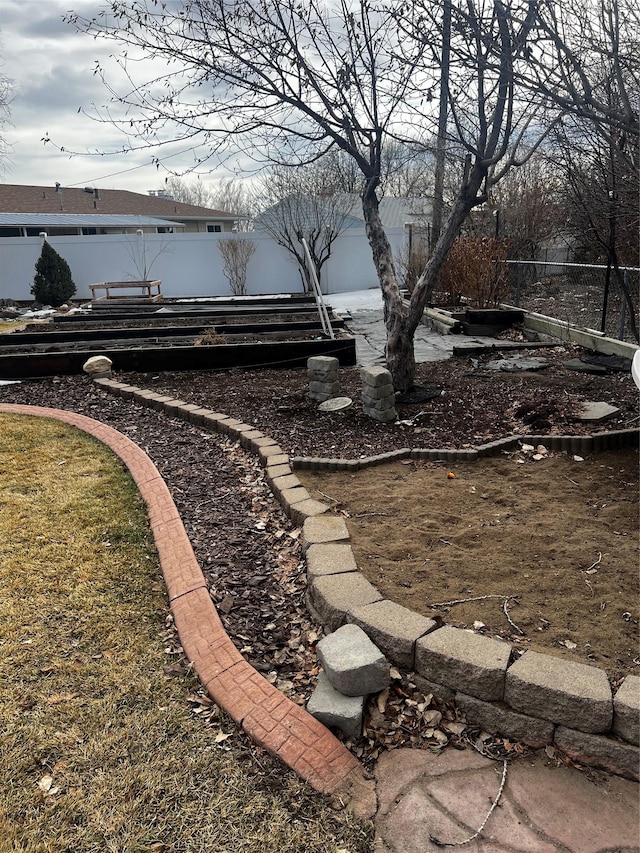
x=267, y=716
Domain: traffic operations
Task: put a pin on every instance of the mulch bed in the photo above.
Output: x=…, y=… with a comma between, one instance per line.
x=248, y=549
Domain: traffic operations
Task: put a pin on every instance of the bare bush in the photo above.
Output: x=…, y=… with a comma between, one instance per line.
x=410, y=263
x=475, y=269
x=236, y=254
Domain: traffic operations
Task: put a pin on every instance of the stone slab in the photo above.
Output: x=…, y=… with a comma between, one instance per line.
x=516, y=364
x=288, y=481
x=334, y=709
x=375, y=376
x=274, y=471
x=330, y=388
x=335, y=596
x=597, y=411
x=424, y=685
x=381, y=404
x=498, y=718
x=329, y=559
x=289, y=497
x=393, y=628
x=378, y=392
x=326, y=528
x=464, y=661
x=353, y=664
x=607, y=753
x=271, y=454
x=384, y=417
x=582, y=367
x=322, y=376
x=322, y=363
x=626, y=710
x=560, y=691
x=310, y=508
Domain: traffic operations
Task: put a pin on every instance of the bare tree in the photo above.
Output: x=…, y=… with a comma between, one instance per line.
x=236, y=253
x=300, y=80
x=235, y=196
x=6, y=92
x=601, y=204
x=299, y=203
x=190, y=192
x=525, y=207
x=586, y=62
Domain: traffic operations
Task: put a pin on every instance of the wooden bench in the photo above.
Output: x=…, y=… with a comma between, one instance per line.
x=147, y=290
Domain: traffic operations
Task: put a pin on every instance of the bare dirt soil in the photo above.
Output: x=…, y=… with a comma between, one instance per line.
x=552, y=540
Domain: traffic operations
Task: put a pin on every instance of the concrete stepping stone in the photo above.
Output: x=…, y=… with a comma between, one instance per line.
x=597, y=411
x=353, y=664
x=580, y=366
x=336, y=710
x=516, y=364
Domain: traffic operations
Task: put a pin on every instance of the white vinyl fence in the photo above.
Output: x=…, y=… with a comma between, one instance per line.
x=187, y=264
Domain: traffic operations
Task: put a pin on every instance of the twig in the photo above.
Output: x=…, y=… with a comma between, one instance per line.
x=570, y=480
x=509, y=619
x=368, y=514
x=505, y=600
x=465, y=600
x=597, y=562
x=329, y=498
x=439, y=843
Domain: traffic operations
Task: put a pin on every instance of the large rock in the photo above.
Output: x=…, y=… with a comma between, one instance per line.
x=97, y=365
x=335, y=709
x=353, y=664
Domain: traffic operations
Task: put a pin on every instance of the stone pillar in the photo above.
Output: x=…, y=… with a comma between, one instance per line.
x=322, y=372
x=378, y=396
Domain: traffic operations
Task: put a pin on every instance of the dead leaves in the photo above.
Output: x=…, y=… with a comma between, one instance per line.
x=47, y=788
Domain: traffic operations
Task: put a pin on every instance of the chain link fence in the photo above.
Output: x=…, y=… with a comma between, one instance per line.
x=589, y=295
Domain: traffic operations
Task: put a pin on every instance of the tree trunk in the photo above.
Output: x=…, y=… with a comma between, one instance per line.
x=401, y=325
x=399, y=347
x=465, y=201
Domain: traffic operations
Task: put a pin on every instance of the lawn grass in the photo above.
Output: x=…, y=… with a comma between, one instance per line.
x=100, y=749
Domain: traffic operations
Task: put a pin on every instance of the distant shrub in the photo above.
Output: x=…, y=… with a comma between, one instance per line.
x=52, y=283
x=410, y=264
x=475, y=269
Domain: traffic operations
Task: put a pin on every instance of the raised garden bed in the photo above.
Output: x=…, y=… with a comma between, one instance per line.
x=210, y=335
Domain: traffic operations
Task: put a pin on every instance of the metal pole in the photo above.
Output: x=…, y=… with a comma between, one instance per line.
x=623, y=308
x=322, y=308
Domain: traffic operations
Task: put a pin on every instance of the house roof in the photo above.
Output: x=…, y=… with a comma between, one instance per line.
x=88, y=220
x=19, y=198
x=394, y=212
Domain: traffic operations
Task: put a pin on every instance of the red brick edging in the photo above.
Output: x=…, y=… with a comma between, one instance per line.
x=266, y=715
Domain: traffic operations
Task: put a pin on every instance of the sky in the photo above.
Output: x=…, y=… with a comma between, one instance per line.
x=51, y=66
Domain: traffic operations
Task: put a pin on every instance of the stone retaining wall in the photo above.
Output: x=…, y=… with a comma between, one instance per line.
x=536, y=698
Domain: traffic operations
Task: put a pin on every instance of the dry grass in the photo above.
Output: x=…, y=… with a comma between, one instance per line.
x=8, y=326
x=100, y=749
